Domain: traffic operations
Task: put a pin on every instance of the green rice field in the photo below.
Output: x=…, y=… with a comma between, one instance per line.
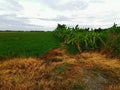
x=26, y=44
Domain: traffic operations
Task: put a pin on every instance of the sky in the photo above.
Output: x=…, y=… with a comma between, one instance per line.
x=46, y=14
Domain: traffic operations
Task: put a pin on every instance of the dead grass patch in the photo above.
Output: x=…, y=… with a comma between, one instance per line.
x=58, y=70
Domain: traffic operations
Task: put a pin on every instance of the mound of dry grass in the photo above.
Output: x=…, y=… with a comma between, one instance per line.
x=100, y=63
x=108, y=68
x=57, y=70
x=38, y=74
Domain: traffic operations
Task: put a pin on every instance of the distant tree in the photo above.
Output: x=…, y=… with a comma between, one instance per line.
x=98, y=30
x=114, y=25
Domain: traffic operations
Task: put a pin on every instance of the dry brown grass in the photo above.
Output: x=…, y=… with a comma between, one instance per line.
x=109, y=68
x=37, y=74
x=59, y=71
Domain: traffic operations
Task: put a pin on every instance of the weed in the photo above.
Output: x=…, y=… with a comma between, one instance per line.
x=61, y=68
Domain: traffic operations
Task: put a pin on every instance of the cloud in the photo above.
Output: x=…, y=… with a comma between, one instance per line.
x=10, y=5
x=97, y=1
x=58, y=18
x=67, y=6
x=10, y=22
x=46, y=14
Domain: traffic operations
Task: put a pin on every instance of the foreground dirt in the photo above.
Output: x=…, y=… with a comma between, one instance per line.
x=58, y=70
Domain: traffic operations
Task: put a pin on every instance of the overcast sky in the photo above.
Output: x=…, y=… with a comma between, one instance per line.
x=46, y=14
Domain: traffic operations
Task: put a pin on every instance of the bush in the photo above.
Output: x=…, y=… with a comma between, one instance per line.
x=85, y=39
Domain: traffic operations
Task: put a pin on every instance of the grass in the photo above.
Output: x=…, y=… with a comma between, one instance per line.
x=110, y=68
x=61, y=68
x=55, y=70
x=35, y=74
x=26, y=44
x=86, y=71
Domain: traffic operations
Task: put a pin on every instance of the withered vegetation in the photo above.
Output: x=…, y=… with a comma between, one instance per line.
x=58, y=70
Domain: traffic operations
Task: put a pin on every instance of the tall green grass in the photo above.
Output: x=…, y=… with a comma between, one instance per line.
x=26, y=44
